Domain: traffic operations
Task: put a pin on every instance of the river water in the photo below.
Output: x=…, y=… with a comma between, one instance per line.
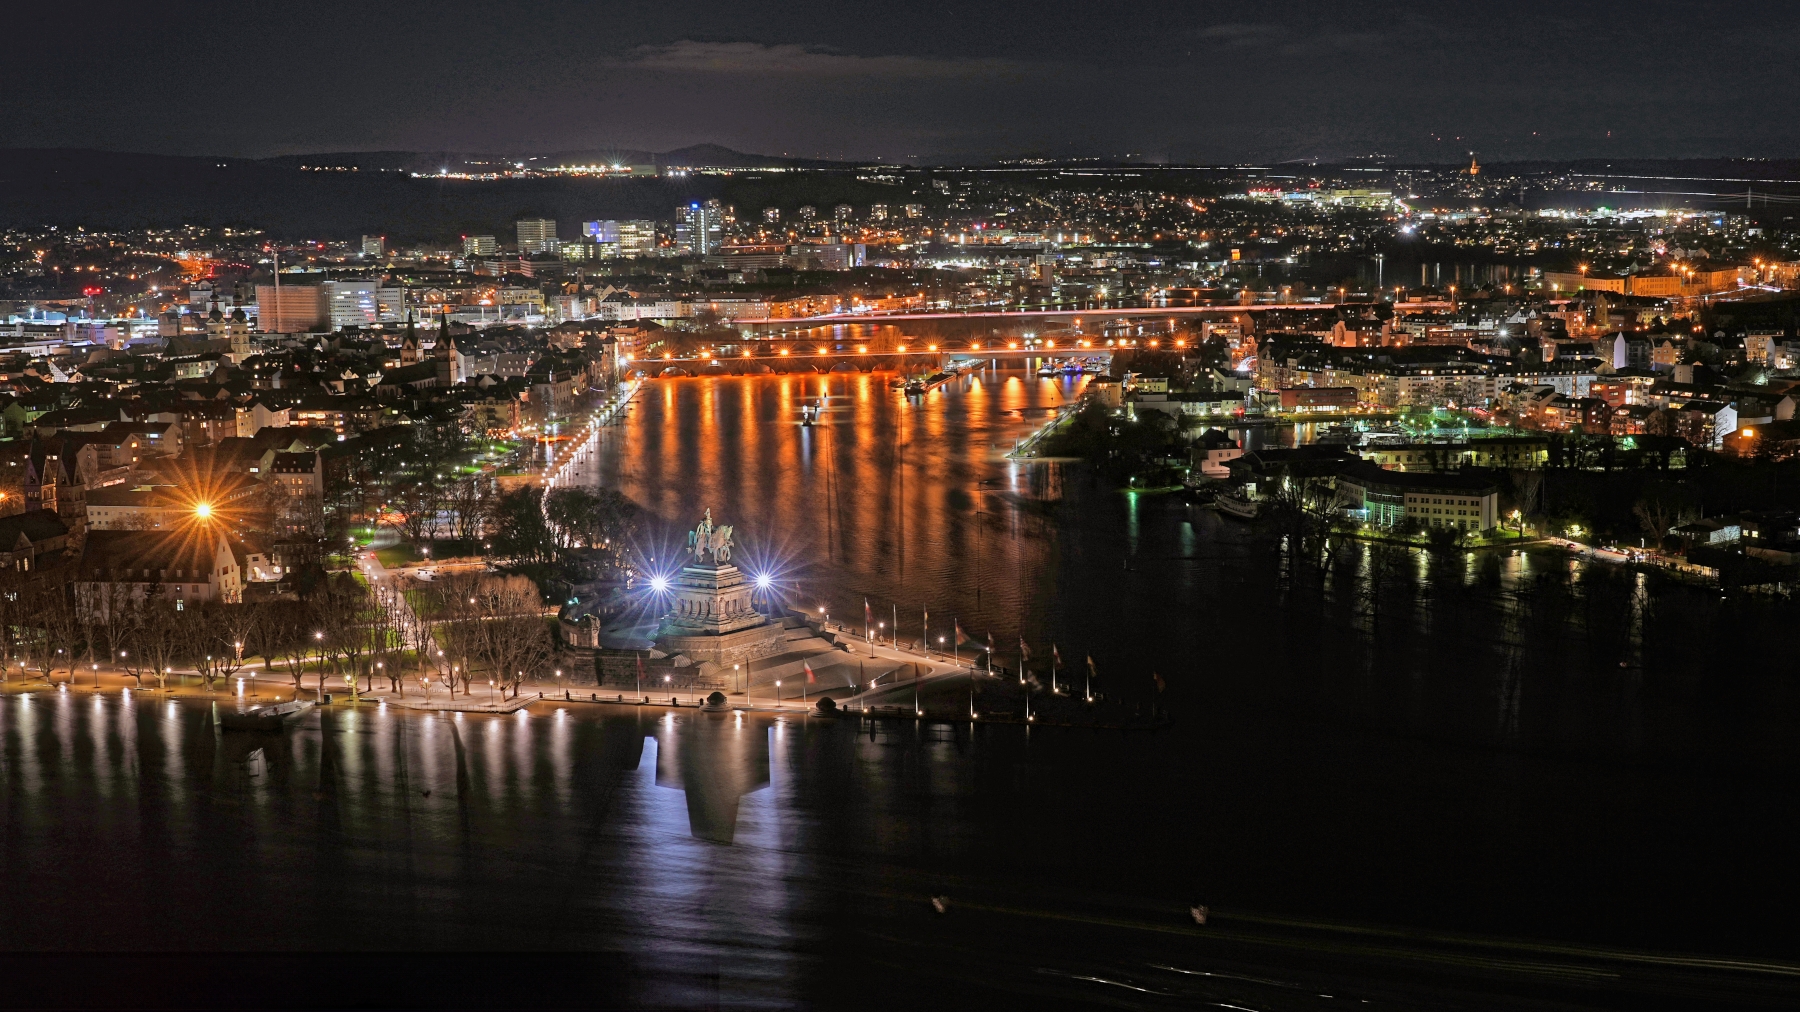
x=1501, y=746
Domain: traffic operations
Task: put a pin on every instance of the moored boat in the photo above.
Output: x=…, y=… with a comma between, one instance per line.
x=260, y=718
x=1235, y=504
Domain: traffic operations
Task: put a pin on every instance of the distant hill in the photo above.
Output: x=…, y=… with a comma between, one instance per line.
x=112, y=190
x=714, y=155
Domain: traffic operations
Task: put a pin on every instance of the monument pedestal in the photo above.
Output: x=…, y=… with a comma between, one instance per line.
x=713, y=618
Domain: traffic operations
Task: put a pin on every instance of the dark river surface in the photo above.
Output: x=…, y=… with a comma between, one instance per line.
x=1509, y=780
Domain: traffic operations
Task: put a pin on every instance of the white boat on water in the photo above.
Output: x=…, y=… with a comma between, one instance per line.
x=1235, y=504
x=260, y=718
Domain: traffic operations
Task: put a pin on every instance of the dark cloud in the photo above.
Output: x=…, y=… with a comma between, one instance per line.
x=1193, y=81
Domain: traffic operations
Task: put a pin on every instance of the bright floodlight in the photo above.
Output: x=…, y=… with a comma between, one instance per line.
x=763, y=581
x=203, y=510
x=659, y=584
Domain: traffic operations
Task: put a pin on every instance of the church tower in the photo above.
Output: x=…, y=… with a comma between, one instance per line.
x=446, y=354
x=409, y=346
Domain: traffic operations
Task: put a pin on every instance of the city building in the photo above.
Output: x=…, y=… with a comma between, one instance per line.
x=699, y=227
x=536, y=235
x=350, y=304
x=1430, y=501
x=291, y=308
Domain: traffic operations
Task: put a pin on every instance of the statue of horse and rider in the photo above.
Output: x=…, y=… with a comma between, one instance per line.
x=707, y=539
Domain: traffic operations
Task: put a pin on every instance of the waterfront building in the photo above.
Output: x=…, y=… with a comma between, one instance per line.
x=1383, y=498
x=1509, y=452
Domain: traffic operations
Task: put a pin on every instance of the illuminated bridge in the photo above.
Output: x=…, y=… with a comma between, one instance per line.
x=808, y=357
x=1030, y=314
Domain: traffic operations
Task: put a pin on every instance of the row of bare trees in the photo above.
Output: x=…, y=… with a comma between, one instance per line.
x=488, y=628
x=456, y=631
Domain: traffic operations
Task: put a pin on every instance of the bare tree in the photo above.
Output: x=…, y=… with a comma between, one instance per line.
x=289, y=632
x=467, y=503
x=388, y=618
x=156, y=639
x=109, y=608
x=57, y=630
x=341, y=604
x=512, y=639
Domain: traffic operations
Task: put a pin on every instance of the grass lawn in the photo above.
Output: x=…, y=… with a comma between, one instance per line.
x=397, y=555
x=440, y=549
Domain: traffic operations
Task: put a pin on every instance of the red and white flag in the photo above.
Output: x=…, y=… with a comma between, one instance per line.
x=810, y=677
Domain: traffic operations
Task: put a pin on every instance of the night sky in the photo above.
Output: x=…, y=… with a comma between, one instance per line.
x=1205, y=82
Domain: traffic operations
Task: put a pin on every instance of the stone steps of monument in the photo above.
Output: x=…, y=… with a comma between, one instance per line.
x=831, y=668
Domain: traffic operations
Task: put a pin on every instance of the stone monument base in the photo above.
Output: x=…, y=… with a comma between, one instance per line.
x=726, y=649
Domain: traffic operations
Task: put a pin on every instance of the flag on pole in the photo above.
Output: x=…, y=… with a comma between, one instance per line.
x=990, y=649
x=961, y=637
x=1055, y=655
x=810, y=677
x=1024, y=650
x=868, y=616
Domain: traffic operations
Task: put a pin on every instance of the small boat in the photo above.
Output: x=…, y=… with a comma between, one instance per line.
x=260, y=718
x=1336, y=435
x=914, y=387
x=1235, y=504
x=809, y=414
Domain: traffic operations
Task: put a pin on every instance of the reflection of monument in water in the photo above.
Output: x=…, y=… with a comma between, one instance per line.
x=716, y=758
x=713, y=617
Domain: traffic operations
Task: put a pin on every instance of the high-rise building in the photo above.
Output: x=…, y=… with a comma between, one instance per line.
x=808, y=212
x=290, y=308
x=390, y=304
x=772, y=215
x=842, y=212
x=915, y=210
x=877, y=212
x=699, y=227
x=536, y=235
x=374, y=245
x=620, y=238
x=480, y=245
x=637, y=238
x=351, y=304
